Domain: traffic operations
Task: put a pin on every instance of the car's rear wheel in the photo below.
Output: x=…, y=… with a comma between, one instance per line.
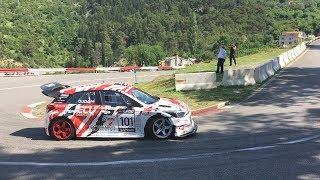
x=62, y=129
x=159, y=128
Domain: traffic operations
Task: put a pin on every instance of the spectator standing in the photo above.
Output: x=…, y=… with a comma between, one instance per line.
x=233, y=49
x=221, y=59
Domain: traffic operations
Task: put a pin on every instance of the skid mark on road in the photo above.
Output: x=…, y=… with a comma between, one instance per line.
x=157, y=160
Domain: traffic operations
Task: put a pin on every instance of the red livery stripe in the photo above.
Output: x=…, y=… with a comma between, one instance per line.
x=86, y=126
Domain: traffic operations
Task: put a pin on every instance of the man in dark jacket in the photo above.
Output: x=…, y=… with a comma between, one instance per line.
x=233, y=54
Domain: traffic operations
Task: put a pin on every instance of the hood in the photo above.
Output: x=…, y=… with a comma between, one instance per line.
x=172, y=104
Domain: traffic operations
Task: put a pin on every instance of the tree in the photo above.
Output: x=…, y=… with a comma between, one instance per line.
x=145, y=55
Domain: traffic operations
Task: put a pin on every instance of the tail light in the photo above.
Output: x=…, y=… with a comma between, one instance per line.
x=50, y=107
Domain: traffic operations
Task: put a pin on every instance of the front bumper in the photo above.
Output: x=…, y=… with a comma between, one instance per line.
x=185, y=127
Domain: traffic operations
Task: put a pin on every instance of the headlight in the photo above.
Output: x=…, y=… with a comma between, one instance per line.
x=177, y=114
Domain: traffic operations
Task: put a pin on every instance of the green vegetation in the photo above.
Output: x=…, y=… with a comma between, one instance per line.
x=38, y=32
x=144, y=54
x=53, y=33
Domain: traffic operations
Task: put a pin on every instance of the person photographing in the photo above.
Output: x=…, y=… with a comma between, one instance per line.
x=221, y=59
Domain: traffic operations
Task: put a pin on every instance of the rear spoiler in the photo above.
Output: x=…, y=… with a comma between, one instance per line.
x=53, y=89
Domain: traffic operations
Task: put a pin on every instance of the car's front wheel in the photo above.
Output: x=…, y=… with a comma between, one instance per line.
x=62, y=129
x=159, y=128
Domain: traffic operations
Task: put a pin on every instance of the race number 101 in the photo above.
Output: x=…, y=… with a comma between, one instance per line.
x=127, y=121
x=126, y=124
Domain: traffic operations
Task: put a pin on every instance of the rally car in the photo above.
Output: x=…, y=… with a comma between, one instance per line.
x=113, y=110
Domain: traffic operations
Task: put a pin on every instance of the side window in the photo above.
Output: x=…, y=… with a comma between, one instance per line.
x=87, y=98
x=75, y=97
x=83, y=98
x=131, y=101
x=112, y=98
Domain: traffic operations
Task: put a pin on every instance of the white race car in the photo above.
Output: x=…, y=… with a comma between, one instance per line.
x=113, y=110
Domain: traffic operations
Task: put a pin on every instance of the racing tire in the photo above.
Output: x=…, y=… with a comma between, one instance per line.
x=62, y=129
x=159, y=128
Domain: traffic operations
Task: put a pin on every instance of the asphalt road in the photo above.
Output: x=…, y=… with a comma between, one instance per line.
x=273, y=135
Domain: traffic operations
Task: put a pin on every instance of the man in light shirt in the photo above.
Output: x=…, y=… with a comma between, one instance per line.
x=221, y=59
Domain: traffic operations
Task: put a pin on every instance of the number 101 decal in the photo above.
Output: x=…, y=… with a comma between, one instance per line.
x=126, y=123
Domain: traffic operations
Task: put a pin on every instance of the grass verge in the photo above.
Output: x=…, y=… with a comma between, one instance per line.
x=242, y=62
x=40, y=110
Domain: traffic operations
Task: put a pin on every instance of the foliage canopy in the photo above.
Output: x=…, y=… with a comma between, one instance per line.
x=53, y=33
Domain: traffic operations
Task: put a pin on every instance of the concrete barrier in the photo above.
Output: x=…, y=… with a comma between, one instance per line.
x=303, y=46
x=195, y=81
x=81, y=70
x=296, y=51
x=300, y=49
x=275, y=64
x=269, y=66
x=236, y=77
x=151, y=68
x=107, y=69
x=260, y=73
x=283, y=59
x=34, y=72
x=42, y=71
x=291, y=55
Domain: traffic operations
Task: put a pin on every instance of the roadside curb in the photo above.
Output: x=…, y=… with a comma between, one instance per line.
x=210, y=109
x=26, y=111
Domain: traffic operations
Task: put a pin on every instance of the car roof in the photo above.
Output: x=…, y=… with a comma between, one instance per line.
x=122, y=87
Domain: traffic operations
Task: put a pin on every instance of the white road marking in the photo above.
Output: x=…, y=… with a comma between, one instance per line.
x=156, y=160
x=7, y=163
x=300, y=140
x=255, y=148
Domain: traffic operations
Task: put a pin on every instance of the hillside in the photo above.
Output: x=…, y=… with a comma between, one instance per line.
x=38, y=32
x=51, y=33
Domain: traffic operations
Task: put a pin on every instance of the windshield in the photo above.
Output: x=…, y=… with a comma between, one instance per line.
x=144, y=97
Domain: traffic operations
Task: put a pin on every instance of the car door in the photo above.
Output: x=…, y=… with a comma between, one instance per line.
x=118, y=120
x=86, y=110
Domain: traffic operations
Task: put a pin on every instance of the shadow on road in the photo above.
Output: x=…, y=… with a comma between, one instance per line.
x=31, y=133
x=314, y=47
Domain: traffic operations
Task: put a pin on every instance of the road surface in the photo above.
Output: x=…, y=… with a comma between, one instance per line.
x=273, y=135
